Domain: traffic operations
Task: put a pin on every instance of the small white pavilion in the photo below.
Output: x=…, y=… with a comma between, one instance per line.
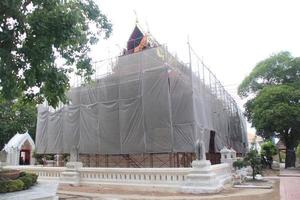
x=20, y=150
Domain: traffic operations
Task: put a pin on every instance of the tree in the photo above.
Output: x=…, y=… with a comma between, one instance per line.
x=268, y=150
x=35, y=34
x=274, y=109
x=16, y=116
x=253, y=159
x=298, y=151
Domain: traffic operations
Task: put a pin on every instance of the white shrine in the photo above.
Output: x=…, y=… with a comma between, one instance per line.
x=19, y=150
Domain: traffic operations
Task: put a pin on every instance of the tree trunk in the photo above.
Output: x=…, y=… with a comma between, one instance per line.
x=253, y=172
x=290, y=159
x=290, y=141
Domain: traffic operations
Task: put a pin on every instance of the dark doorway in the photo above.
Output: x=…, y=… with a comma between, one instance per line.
x=24, y=157
x=212, y=142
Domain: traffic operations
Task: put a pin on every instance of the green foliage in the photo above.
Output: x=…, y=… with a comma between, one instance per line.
x=25, y=181
x=14, y=185
x=274, y=109
x=298, y=151
x=253, y=159
x=3, y=186
x=38, y=157
x=11, y=185
x=66, y=157
x=35, y=34
x=238, y=164
x=16, y=116
x=268, y=149
x=50, y=156
x=28, y=179
x=282, y=157
x=281, y=68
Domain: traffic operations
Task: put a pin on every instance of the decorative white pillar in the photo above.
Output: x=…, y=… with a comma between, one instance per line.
x=201, y=178
x=72, y=175
x=227, y=156
x=32, y=159
x=3, y=157
x=233, y=155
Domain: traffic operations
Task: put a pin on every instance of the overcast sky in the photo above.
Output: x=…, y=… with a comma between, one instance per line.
x=231, y=36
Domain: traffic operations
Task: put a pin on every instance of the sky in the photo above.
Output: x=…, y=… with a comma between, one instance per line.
x=230, y=36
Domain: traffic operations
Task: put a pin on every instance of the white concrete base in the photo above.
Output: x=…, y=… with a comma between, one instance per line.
x=74, y=165
x=201, y=179
x=253, y=186
x=71, y=175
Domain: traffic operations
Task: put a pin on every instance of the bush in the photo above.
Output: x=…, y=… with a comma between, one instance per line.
x=253, y=159
x=28, y=179
x=298, y=151
x=3, y=186
x=282, y=156
x=38, y=157
x=268, y=150
x=239, y=164
x=11, y=186
x=14, y=185
x=25, y=181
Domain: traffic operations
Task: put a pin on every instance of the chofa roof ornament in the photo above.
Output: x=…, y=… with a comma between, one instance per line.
x=139, y=40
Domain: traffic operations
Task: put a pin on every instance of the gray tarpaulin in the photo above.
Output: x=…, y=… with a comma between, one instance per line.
x=71, y=127
x=148, y=104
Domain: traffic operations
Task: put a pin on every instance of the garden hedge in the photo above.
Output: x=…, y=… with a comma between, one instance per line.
x=24, y=181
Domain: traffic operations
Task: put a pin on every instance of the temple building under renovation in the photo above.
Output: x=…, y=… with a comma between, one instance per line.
x=148, y=111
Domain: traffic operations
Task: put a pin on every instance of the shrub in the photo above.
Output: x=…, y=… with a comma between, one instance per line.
x=34, y=178
x=239, y=164
x=298, y=151
x=11, y=186
x=25, y=181
x=282, y=156
x=268, y=150
x=253, y=159
x=22, y=174
x=3, y=186
x=14, y=185
x=38, y=157
x=28, y=179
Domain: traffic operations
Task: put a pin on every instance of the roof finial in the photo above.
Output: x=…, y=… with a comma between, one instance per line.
x=147, y=25
x=136, y=17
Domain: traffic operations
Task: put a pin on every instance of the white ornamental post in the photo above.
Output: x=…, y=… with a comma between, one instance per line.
x=72, y=175
x=233, y=154
x=226, y=156
x=201, y=178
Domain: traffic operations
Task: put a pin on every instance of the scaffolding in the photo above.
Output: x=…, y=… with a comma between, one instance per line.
x=144, y=102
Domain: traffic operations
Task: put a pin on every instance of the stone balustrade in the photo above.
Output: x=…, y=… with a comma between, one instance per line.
x=167, y=178
x=222, y=171
x=44, y=173
x=173, y=176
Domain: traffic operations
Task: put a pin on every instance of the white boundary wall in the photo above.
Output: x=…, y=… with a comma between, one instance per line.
x=172, y=178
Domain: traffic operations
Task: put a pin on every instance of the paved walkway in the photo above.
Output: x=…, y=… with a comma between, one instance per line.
x=115, y=193
x=290, y=184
